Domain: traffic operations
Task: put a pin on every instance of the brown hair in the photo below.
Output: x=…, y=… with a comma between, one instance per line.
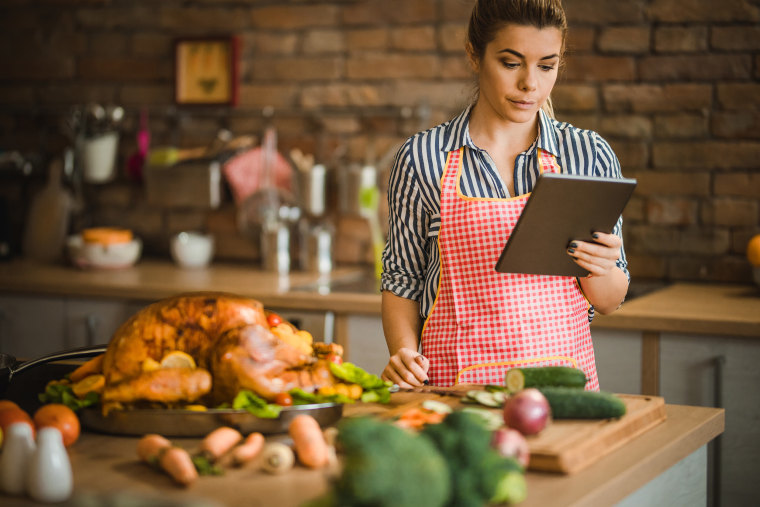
x=490, y=16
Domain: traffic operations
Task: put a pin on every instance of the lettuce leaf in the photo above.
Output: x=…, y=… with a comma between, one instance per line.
x=63, y=393
x=247, y=400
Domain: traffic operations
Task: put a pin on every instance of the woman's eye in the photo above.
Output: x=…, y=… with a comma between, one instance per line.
x=546, y=68
x=510, y=65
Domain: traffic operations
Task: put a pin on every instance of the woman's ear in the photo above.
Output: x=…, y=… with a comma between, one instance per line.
x=472, y=58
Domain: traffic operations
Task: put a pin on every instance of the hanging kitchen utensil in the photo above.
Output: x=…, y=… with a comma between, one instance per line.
x=136, y=161
x=48, y=220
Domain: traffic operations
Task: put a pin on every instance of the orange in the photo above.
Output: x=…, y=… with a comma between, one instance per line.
x=11, y=415
x=61, y=418
x=8, y=404
x=90, y=384
x=753, y=250
x=106, y=235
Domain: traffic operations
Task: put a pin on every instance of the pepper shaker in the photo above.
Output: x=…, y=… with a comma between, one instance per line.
x=49, y=477
x=17, y=452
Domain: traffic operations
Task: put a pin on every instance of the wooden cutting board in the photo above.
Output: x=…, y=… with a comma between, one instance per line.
x=568, y=446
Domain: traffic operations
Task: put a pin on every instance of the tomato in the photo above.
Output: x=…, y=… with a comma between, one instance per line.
x=335, y=358
x=273, y=319
x=60, y=417
x=284, y=399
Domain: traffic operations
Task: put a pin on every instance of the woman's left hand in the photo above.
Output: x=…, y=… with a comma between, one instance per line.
x=598, y=257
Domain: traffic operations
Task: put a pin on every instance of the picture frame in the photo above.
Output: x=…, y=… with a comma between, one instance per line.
x=206, y=70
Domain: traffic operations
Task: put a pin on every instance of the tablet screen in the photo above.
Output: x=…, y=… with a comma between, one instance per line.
x=562, y=208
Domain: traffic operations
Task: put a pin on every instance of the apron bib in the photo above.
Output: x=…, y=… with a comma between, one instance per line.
x=484, y=322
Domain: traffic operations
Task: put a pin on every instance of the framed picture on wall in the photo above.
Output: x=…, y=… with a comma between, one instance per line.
x=206, y=71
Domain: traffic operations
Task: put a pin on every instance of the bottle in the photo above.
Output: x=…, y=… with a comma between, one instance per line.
x=17, y=451
x=49, y=477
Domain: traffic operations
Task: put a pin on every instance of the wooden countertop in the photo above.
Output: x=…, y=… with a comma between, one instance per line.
x=696, y=308
x=106, y=465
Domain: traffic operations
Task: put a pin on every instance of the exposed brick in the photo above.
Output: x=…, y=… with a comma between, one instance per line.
x=632, y=127
x=294, y=16
x=37, y=69
x=635, y=209
x=446, y=94
x=580, y=39
x=682, y=11
x=671, y=211
x=575, y=97
x=452, y=38
x=275, y=95
x=738, y=184
x=666, y=239
x=643, y=98
x=709, y=269
x=108, y=44
x=736, y=38
x=413, y=38
x=141, y=17
x=396, y=11
x=344, y=95
x=360, y=39
x=138, y=95
x=456, y=10
x=673, y=183
x=323, y=41
x=599, y=11
x=152, y=44
x=624, y=39
x=730, y=212
x=271, y=43
x=341, y=124
x=680, y=39
x=600, y=68
x=705, y=155
x=392, y=66
x=580, y=120
x=16, y=95
x=742, y=96
x=124, y=69
x=456, y=67
x=684, y=126
x=697, y=68
x=296, y=69
x=633, y=154
x=178, y=220
x=646, y=266
x=736, y=124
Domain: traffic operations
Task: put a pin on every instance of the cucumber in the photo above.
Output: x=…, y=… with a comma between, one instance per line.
x=520, y=378
x=573, y=403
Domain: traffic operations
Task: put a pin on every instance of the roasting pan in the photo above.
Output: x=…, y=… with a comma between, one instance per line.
x=191, y=423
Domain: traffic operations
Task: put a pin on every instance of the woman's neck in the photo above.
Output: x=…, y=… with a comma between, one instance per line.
x=489, y=131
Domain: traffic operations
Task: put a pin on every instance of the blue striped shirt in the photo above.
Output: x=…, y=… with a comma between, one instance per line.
x=411, y=260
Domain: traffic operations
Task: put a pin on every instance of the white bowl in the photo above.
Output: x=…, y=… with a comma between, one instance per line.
x=98, y=255
x=192, y=249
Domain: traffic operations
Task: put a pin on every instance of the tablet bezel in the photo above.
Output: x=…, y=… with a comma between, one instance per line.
x=562, y=208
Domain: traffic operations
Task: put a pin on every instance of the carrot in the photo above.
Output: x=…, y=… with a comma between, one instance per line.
x=217, y=443
x=150, y=447
x=177, y=462
x=311, y=447
x=90, y=367
x=249, y=449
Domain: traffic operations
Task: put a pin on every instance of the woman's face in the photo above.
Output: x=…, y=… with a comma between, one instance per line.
x=518, y=71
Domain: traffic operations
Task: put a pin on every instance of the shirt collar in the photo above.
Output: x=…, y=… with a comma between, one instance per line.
x=457, y=133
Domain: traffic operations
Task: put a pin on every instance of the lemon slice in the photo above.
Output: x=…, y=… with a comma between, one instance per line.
x=150, y=364
x=177, y=359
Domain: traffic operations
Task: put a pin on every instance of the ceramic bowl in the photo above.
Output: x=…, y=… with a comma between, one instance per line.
x=100, y=256
x=192, y=249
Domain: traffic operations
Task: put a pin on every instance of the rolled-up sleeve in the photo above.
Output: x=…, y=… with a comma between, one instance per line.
x=404, y=258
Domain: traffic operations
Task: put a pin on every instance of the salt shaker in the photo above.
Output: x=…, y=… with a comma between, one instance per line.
x=17, y=451
x=49, y=477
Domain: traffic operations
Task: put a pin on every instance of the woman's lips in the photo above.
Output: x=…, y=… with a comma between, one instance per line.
x=522, y=104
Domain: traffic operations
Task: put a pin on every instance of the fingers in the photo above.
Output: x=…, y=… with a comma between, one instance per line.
x=407, y=368
x=597, y=257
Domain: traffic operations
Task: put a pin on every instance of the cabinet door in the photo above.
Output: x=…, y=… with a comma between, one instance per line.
x=94, y=321
x=31, y=326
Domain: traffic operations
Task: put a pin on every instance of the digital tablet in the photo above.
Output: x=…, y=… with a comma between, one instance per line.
x=562, y=208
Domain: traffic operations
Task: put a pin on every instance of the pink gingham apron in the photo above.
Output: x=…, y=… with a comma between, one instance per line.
x=484, y=322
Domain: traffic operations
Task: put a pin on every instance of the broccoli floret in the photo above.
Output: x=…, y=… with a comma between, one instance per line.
x=477, y=471
x=385, y=465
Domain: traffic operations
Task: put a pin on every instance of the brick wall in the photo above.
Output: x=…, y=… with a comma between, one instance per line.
x=673, y=85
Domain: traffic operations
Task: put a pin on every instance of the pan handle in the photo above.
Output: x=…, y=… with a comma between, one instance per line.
x=88, y=351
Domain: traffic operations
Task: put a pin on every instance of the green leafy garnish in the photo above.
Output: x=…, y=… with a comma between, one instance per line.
x=63, y=393
x=247, y=400
x=205, y=467
x=376, y=390
x=301, y=397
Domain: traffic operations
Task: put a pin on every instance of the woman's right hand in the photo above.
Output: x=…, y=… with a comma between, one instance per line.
x=407, y=368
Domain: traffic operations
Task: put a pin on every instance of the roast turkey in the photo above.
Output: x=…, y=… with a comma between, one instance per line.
x=231, y=343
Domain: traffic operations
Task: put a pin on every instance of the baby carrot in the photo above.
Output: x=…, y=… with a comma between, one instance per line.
x=177, y=462
x=311, y=447
x=150, y=447
x=248, y=450
x=217, y=443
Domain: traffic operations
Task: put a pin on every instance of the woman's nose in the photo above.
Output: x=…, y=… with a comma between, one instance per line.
x=527, y=80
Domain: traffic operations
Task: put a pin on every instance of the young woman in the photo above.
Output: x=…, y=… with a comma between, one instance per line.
x=455, y=194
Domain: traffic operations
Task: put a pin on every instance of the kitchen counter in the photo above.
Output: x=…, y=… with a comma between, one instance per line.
x=107, y=465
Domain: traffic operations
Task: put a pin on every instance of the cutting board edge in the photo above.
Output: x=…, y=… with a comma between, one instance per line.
x=580, y=458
